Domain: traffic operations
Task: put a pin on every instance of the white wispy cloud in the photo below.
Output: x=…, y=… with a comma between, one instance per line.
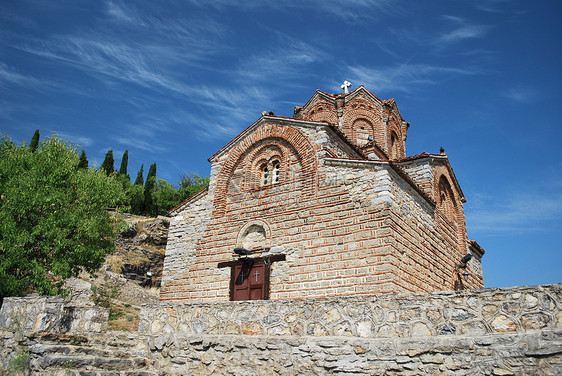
x=135, y=47
x=347, y=11
x=402, y=78
x=286, y=60
x=454, y=30
x=492, y=6
x=123, y=13
x=81, y=141
x=139, y=143
x=195, y=34
x=520, y=94
x=96, y=56
x=9, y=75
x=204, y=128
x=462, y=30
x=533, y=209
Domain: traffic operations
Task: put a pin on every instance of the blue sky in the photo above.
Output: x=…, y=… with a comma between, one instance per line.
x=174, y=82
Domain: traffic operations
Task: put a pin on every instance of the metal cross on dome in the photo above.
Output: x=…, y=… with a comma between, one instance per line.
x=345, y=86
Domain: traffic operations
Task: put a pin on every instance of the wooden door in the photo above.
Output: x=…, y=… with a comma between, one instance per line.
x=249, y=281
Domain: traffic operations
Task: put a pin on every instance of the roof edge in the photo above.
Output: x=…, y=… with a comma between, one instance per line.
x=280, y=119
x=440, y=157
x=193, y=197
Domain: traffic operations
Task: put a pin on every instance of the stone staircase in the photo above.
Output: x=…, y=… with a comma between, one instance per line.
x=98, y=354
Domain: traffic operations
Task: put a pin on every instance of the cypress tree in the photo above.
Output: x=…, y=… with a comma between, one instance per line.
x=149, y=208
x=136, y=193
x=34, y=144
x=124, y=162
x=108, y=163
x=140, y=180
x=83, y=162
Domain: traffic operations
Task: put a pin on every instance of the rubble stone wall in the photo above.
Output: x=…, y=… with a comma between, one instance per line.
x=511, y=331
x=51, y=314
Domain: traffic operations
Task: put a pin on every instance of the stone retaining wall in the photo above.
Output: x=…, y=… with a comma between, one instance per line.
x=51, y=314
x=513, y=331
x=491, y=331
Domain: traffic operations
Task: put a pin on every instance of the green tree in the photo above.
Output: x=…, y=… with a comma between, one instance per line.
x=190, y=185
x=34, y=143
x=140, y=180
x=124, y=162
x=108, y=163
x=135, y=198
x=149, y=185
x=83, y=161
x=135, y=194
x=123, y=177
x=165, y=196
x=53, y=217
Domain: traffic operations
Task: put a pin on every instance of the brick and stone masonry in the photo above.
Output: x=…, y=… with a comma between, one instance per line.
x=330, y=203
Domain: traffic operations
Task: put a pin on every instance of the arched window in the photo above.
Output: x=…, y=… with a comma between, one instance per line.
x=276, y=171
x=270, y=172
x=363, y=131
x=394, y=148
x=447, y=200
x=264, y=175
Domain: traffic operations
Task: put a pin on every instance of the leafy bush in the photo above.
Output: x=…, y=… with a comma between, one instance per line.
x=53, y=217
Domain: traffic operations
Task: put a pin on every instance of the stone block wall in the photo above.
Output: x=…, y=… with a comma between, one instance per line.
x=513, y=331
x=51, y=314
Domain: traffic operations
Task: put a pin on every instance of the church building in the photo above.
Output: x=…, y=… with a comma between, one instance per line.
x=321, y=204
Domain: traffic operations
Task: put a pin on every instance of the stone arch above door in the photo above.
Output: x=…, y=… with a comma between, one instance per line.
x=253, y=235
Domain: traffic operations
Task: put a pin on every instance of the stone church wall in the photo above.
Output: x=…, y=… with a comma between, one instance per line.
x=513, y=331
x=345, y=226
x=361, y=233
x=184, y=233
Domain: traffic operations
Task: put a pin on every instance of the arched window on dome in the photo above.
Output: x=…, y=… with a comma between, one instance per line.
x=363, y=132
x=394, y=146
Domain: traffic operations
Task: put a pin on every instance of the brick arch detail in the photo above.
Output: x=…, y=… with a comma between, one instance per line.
x=261, y=152
x=267, y=132
x=322, y=111
x=393, y=128
x=440, y=173
x=324, y=116
x=351, y=115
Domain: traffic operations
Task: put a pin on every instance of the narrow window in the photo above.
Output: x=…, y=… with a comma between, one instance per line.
x=395, y=146
x=265, y=174
x=276, y=172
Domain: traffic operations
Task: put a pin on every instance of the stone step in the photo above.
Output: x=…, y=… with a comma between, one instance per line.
x=127, y=341
x=81, y=350
x=88, y=362
x=67, y=372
